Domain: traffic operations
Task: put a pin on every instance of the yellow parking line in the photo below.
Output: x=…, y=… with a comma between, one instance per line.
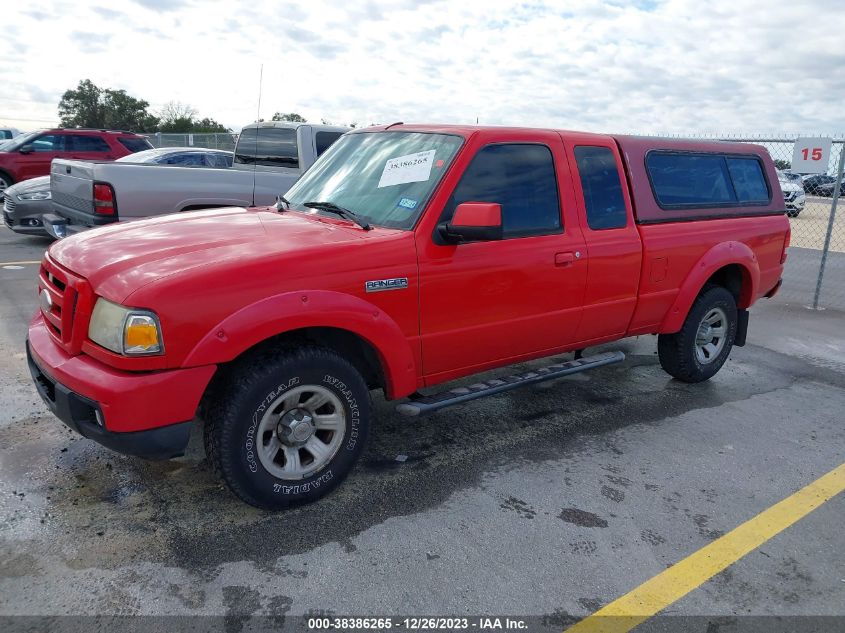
x=654, y=595
x=20, y=263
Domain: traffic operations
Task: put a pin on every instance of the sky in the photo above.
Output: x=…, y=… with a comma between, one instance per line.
x=645, y=66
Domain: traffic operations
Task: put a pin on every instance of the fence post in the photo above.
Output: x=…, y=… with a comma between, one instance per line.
x=836, y=191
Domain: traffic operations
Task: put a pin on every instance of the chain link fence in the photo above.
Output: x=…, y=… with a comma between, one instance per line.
x=815, y=269
x=225, y=141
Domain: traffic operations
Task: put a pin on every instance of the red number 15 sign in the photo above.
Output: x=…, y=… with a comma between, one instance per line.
x=811, y=155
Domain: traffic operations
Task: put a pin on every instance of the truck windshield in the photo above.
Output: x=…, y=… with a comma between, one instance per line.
x=386, y=178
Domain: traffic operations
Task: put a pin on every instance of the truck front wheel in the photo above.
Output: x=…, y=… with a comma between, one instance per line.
x=703, y=344
x=288, y=426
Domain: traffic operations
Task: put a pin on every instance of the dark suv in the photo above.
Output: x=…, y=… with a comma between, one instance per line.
x=29, y=155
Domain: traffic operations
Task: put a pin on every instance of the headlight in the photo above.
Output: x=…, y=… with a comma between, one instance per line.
x=35, y=195
x=125, y=330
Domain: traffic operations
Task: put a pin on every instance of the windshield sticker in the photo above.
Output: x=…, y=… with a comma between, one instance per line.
x=405, y=169
x=439, y=163
x=408, y=203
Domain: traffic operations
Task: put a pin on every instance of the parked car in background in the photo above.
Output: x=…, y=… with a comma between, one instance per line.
x=793, y=194
x=29, y=155
x=790, y=176
x=7, y=133
x=26, y=203
x=827, y=189
x=269, y=158
x=182, y=157
x=812, y=183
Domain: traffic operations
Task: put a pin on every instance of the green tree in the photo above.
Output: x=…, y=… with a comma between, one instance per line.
x=82, y=107
x=782, y=164
x=122, y=112
x=290, y=116
x=209, y=125
x=91, y=106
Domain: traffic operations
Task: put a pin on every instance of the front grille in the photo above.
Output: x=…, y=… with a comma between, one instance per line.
x=8, y=203
x=789, y=196
x=62, y=296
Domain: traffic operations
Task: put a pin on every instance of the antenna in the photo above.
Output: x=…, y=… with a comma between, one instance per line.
x=257, y=128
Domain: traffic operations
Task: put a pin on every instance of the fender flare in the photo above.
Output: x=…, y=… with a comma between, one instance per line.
x=721, y=255
x=290, y=311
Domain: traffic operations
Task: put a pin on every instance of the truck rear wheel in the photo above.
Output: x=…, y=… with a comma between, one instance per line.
x=288, y=426
x=703, y=344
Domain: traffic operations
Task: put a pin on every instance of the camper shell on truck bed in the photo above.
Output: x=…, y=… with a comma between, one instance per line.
x=406, y=257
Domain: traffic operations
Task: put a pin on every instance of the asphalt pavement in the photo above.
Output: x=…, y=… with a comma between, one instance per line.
x=550, y=501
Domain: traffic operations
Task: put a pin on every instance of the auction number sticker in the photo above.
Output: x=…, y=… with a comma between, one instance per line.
x=811, y=155
x=405, y=169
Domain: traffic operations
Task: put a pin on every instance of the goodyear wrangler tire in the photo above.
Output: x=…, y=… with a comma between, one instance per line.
x=703, y=344
x=288, y=426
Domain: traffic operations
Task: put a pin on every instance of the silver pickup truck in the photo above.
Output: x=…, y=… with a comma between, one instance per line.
x=269, y=158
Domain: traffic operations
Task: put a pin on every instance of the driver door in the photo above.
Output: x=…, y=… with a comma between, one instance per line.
x=484, y=304
x=44, y=149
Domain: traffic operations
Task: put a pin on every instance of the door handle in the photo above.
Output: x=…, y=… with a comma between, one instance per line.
x=567, y=259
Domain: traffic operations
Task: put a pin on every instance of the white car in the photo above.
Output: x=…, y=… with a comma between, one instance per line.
x=8, y=133
x=793, y=196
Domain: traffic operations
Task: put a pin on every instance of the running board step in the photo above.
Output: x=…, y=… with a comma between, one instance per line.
x=428, y=404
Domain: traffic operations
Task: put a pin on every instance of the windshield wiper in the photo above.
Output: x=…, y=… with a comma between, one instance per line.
x=331, y=207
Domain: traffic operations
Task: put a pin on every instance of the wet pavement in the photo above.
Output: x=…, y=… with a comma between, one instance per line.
x=552, y=500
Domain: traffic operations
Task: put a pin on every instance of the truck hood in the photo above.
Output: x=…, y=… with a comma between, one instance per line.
x=118, y=259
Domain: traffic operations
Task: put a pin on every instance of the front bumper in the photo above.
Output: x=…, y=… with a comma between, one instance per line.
x=26, y=217
x=147, y=414
x=797, y=204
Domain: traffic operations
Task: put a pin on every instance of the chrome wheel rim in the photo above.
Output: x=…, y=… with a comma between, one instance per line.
x=3, y=185
x=301, y=432
x=711, y=336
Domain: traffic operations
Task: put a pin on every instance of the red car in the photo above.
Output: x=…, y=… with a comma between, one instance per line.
x=29, y=155
x=406, y=257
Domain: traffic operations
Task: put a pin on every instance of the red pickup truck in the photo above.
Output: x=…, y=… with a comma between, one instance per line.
x=406, y=257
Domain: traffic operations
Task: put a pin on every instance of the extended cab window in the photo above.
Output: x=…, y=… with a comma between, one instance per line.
x=270, y=146
x=519, y=177
x=602, y=188
x=324, y=140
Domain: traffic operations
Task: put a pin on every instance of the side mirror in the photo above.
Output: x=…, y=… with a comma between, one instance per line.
x=26, y=149
x=473, y=222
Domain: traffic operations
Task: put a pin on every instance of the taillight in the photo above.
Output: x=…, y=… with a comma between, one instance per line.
x=786, y=242
x=104, y=203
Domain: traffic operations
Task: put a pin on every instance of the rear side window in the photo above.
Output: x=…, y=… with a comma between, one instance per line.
x=521, y=178
x=324, y=140
x=705, y=180
x=602, y=188
x=220, y=161
x=747, y=176
x=270, y=146
x=79, y=143
x=188, y=159
x=134, y=144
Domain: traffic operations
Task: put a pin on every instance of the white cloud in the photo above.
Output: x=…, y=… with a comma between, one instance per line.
x=673, y=66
